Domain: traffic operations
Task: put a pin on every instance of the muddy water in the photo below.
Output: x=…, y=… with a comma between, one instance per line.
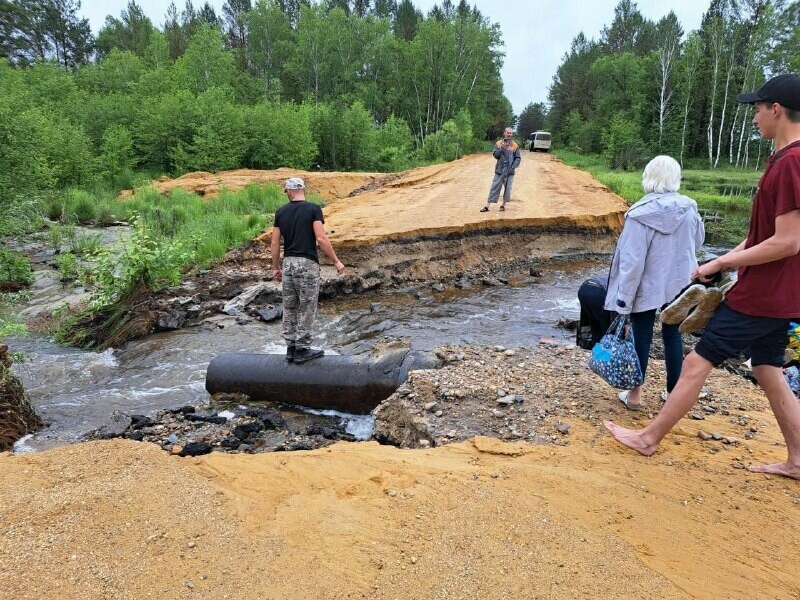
x=75, y=391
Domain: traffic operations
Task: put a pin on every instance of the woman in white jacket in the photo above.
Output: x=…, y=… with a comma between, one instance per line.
x=653, y=262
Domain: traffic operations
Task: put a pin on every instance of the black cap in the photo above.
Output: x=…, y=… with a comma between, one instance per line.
x=783, y=89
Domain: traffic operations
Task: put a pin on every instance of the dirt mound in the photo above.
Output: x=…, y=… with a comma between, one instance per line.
x=327, y=186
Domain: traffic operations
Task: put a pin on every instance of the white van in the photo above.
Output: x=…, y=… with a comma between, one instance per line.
x=540, y=140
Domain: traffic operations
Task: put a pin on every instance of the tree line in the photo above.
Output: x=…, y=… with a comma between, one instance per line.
x=334, y=84
x=648, y=87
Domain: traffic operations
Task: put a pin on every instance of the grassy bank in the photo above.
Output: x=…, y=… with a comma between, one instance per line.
x=724, y=191
x=172, y=234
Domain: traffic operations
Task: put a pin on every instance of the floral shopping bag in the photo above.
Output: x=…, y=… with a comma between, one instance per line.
x=614, y=356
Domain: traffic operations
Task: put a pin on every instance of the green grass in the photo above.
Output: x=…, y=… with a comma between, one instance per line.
x=212, y=226
x=727, y=191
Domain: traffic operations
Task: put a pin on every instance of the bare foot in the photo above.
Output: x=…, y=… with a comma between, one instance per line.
x=785, y=468
x=630, y=438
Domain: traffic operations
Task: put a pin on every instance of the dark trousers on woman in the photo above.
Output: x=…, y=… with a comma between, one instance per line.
x=673, y=345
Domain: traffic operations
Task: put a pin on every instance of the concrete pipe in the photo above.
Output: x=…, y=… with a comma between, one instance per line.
x=352, y=384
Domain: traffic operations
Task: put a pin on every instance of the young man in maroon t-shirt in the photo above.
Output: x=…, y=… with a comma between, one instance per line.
x=755, y=317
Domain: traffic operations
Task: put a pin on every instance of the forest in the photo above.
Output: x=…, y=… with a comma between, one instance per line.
x=335, y=85
x=644, y=88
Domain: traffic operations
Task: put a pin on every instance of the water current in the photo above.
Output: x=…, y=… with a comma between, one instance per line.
x=75, y=391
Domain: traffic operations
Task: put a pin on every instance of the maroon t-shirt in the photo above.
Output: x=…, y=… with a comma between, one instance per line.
x=772, y=289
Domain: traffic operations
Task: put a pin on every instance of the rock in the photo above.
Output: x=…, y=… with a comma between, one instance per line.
x=246, y=429
x=176, y=450
x=730, y=440
x=172, y=439
x=563, y=428
x=497, y=413
x=271, y=313
x=170, y=320
x=204, y=418
x=490, y=281
x=116, y=425
x=404, y=390
x=237, y=304
x=535, y=272
x=697, y=416
x=196, y=449
x=430, y=406
x=438, y=413
x=501, y=393
x=499, y=348
x=396, y=426
x=709, y=409
x=437, y=287
x=704, y=435
x=509, y=353
x=506, y=401
x=183, y=410
x=140, y=421
x=271, y=419
x=367, y=283
x=519, y=399
x=717, y=437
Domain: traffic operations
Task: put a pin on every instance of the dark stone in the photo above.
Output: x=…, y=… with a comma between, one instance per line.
x=139, y=421
x=136, y=436
x=215, y=419
x=270, y=314
x=535, y=272
x=245, y=430
x=326, y=431
x=196, y=449
x=437, y=287
x=183, y=410
x=233, y=292
x=271, y=419
x=230, y=443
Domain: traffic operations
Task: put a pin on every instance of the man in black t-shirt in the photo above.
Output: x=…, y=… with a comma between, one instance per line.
x=300, y=224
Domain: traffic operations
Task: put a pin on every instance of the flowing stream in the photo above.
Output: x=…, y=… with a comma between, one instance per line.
x=75, y=391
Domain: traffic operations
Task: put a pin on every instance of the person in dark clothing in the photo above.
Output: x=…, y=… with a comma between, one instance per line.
x=300, y=224
x=594, y=320
x=506, y=151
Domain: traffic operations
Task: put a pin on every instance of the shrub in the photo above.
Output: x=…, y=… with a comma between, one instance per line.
x=15, y=270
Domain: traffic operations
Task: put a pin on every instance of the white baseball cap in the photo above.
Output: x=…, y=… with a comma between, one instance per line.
x=294, y=183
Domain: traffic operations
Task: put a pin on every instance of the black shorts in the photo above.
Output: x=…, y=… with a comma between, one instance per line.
x=730, y=334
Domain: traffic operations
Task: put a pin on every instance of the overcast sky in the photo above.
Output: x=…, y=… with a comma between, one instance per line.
x=537, y=33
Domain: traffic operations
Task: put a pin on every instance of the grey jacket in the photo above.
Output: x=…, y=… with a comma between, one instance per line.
x=655, y=254
x=508, y=159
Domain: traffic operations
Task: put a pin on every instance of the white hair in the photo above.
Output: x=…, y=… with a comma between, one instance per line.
x=661, y=175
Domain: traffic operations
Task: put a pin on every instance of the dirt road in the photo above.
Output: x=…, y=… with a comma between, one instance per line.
x=446, y=198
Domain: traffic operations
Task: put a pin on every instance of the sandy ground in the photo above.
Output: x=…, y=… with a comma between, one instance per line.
x=476, y=519
x=446, y=198
x=481, y=518
x=326, y=185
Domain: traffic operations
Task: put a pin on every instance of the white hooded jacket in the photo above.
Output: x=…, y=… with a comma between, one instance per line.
x=655, y=254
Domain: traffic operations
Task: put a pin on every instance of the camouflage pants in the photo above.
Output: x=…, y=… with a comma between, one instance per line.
x=498, y=182
x=300, y=293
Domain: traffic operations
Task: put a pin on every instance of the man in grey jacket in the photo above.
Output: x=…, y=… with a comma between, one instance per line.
x=506, y=151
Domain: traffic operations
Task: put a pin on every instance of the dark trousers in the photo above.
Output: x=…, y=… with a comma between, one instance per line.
x=673, y=344
x=594, y=321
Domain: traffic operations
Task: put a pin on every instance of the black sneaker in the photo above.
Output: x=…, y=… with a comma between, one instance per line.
x=302, y=355
x=290, y=352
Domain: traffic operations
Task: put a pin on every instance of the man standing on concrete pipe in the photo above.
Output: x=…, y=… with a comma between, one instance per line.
x=300, y=223
x=508, y=158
